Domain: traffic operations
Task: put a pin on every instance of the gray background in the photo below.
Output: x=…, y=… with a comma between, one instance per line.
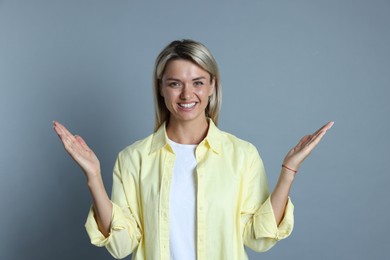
x=287, y=68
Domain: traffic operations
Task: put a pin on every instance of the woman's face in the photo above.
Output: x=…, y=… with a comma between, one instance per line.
x=186, y=88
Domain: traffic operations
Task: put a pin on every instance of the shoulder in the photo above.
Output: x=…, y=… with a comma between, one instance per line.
x=230, y=141
x=139, y=147
x=242, y=154
x=226, y=141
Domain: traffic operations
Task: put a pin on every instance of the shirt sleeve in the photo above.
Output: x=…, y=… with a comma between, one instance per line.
x=125, y=233
x=260, y=231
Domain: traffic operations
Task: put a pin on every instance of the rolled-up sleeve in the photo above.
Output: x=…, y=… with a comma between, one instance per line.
x=264, y=223
x=125, y=233
x=260, y=231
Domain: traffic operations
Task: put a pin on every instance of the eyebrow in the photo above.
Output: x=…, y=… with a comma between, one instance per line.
x=198, y=78
x=173, y=79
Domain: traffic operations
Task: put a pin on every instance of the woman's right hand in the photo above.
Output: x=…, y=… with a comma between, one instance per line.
x=78, y=150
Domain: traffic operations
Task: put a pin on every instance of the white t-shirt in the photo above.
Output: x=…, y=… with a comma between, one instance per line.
x=182, y=211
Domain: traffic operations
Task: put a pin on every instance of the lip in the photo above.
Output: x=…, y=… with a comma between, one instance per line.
x=187, y=108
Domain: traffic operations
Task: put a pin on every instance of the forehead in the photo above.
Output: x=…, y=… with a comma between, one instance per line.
x=183, y=69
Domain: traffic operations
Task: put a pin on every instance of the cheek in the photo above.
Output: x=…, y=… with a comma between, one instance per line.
x=205, y=93
x=201, y=92
x=168, y=95
x=168, y=103
x=164, y=93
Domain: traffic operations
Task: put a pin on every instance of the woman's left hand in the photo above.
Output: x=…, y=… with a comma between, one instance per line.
x=302, y=150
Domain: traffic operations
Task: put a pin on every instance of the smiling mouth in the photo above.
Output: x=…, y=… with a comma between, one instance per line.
x=188, y=105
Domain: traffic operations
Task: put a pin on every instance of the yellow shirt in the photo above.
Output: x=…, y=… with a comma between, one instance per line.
x=233, y=204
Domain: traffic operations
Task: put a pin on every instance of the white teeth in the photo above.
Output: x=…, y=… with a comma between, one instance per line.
x=187, y=105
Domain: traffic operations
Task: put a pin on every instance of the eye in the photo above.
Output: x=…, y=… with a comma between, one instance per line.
x=174, y=84
x=198, y=83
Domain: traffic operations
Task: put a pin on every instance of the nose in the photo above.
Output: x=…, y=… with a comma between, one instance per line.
x=186, y=93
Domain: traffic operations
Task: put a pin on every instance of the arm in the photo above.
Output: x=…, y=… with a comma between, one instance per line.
x=109, y=223
x=291, y=164
x=89, y=163
x=260, y=230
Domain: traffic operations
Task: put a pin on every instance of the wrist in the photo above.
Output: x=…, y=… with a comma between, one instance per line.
x=287, y=175
x=289, y=168
x=93, y=178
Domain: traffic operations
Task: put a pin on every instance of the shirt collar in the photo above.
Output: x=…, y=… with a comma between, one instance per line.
x=212, y=140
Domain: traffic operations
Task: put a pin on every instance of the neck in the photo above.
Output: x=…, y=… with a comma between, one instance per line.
x=187, y=132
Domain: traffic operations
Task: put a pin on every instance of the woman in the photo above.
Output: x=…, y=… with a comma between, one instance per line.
x=189, y=190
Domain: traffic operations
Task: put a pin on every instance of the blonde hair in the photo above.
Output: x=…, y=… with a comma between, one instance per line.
x=197, y=53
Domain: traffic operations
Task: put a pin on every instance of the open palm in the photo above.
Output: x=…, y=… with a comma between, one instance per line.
x=302, y=150
x=78, y=150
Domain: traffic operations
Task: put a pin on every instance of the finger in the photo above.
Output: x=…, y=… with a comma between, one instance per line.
x=303, y=141
x=64, y=131
x=308, y=140
x=315, y=140
x=57, y=128
x=328, y=126
x=82, y=142
x=325, y=127
x=321, y=131
x=71, y=144
x=66, y=136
